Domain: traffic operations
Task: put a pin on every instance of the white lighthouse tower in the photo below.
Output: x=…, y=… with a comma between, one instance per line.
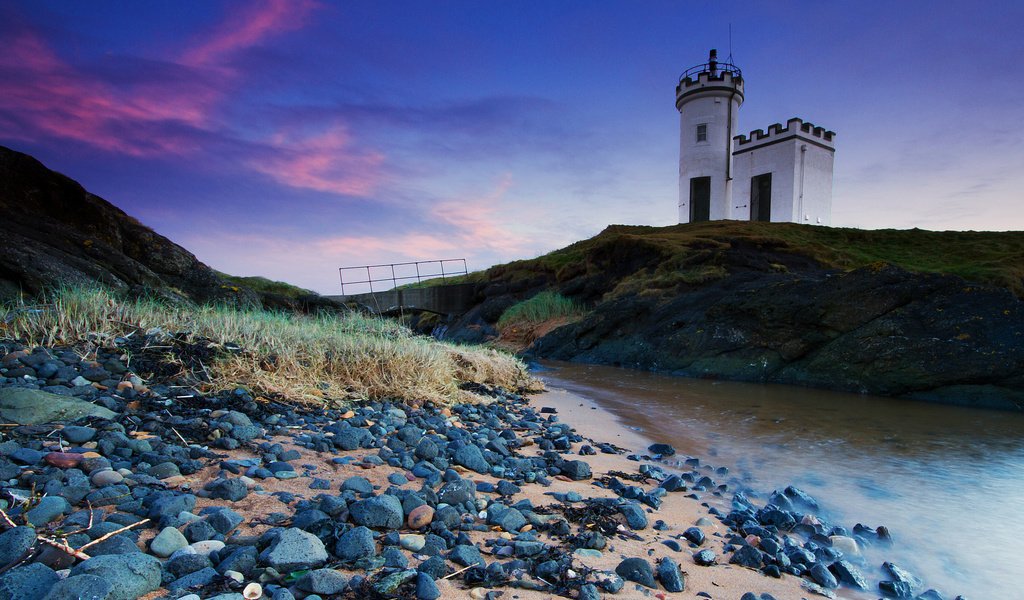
x=708, y=99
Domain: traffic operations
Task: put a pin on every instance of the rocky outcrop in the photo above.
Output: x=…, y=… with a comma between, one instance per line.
x=741, y=309
x=54, y=232
x=879, y=331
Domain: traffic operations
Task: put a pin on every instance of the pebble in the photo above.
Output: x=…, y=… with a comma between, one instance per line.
x=167, y=542
x=420, y=517
x=413, y=542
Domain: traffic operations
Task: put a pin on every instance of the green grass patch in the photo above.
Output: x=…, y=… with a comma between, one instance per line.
x=541, y=307
x=267, y=286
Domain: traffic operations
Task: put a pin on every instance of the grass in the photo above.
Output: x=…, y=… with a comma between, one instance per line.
x=267, y=286
x=542, y=307
x=990, y=257
x=305, y=358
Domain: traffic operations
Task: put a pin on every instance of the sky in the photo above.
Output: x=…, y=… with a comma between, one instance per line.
x=288, y=138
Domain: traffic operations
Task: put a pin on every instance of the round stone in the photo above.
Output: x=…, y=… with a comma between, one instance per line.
x=413, y=542
x=421, y=516
x=104, y=478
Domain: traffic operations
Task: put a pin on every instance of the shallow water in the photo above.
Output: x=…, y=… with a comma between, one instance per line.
x=947, y=481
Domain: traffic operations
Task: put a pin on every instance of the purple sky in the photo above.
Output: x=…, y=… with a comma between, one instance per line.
x=287, y=138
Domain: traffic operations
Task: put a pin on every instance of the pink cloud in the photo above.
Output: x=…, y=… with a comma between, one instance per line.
x=481, y=222
x=325, y=162
x=41, y=95
x=255, y=23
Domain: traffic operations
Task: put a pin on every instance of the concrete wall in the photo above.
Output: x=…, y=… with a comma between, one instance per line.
x=453, y=299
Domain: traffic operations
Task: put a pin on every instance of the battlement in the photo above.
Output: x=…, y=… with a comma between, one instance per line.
x=722, y=81
x=795, y=128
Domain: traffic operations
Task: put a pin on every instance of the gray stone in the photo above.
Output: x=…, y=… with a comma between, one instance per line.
x=164, y=470
x=77, y=434
x=357, y=484
x=466, y=555
x=635, y=516
x=637, y=570
x=426, y=588
x=80, y=587
x=823, y=577
x=232, y=490
x=48, y=509
x=849, y=574
x=199, y=578
x=28, y=582
x=670, y=576
x=575, y=470
x=129, y=575
x=355, y=544
x=32, y=407
x=167, y=542
x=380, y=512
x=108, y=477
x=14, y=543
x=224, y=520
x=470, y=457
x=295, y=549
x=322, y=581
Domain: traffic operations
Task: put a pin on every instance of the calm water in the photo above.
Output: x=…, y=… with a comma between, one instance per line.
x=947, y=481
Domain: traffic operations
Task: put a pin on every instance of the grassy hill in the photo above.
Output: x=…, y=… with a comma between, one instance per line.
x=691, y=253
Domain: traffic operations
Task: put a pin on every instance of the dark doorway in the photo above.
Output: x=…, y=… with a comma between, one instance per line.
x=700, y=199
x=761, y=198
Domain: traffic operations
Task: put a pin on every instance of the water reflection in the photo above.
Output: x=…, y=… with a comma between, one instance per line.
x=946, y=480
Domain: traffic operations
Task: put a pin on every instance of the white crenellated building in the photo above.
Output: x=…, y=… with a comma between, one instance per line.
x=782, y=175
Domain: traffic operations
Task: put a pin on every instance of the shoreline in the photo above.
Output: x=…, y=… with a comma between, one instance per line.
x=526, y=486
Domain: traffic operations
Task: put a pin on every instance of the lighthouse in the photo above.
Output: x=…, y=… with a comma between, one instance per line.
x=782, y=175
x=708, y=99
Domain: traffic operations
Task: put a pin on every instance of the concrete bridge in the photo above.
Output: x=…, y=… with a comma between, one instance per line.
x=452, y=299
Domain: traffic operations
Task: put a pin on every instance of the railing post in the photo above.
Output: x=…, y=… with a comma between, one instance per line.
x=442, y=270
x=418, y=272
x=368, y=278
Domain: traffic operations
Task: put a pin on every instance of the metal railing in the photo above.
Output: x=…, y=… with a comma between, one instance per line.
x=712, y=67
x=449, y=267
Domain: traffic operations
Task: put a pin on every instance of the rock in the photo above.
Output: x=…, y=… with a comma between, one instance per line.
x=635, y=516
x=295, y=549
x=637, y=570
x=207, y=547
x=231, y=490
x=470, y=457
x=32, y=407
x=77, y=434
x=389, y=584
x=426, y=588
x=816, y=589
x=108, y=477
x=662, y=449
x=747, y=556
x=14, y=543
x=694, y=535
x=183, y=564
x=902, y=575
x=81, y=587
x=359, y=485
x=129, y=575
x=575, y=469
x=705, y=558
x=421, y=516
x=200, y=578
x=355, y=544
x=167, y=542
x=823, y=577
x=48, y=509
x=30, y=581
x=224, y=520
x=670, y=576
x=164, y=470
x=848, y=574
x=379, y=512
x=322, y=581
x=63, y=460
x=413, y=542
x=847, y=545
x=466, y=555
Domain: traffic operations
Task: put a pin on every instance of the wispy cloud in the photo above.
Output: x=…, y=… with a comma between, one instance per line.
x=45, y=97
x=325, y=162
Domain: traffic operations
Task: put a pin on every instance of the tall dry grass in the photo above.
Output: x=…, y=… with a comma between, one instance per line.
x=309, y=358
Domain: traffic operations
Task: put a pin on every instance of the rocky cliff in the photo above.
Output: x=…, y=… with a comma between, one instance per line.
x=54, y=232
x=765, y=303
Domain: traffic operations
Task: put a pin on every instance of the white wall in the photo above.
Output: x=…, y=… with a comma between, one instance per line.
x=709, y=158
x=801, y=167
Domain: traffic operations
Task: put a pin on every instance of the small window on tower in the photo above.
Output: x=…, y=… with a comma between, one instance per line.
x=702, y=132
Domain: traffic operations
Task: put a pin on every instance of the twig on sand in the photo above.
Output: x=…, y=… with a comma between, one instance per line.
x=112, y=534
x=450, y=575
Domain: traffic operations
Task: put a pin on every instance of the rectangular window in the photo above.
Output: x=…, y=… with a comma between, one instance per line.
x=700, y=199
x=702, y=132
x=761, y=197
